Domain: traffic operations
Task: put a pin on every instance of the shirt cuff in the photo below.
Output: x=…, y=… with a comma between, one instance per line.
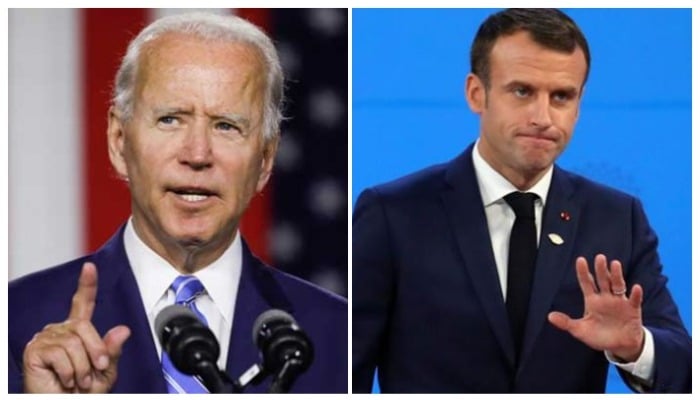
x=644, y=366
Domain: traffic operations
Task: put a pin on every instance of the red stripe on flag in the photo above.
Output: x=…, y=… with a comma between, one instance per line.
x=105, y=33
x=258, y=16
x=256, y=222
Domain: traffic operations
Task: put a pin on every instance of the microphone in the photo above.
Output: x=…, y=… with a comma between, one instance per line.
x=192, y=347
x=285, y=348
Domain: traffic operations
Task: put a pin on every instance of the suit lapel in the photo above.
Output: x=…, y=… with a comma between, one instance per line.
x=119, y=302
x=552, y=259
x=258, y=291
x=467, y=219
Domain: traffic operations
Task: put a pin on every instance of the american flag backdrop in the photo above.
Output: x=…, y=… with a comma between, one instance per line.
x=64, y=198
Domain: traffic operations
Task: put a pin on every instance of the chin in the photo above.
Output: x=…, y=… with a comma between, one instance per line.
x=188, y=233
x=537, y=160
x=190, y=239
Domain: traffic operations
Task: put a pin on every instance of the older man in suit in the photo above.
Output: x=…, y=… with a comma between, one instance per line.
x=193, y=130
x=499, y=271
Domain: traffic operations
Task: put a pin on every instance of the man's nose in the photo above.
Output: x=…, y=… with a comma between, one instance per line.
x=541, y=113
x=196, y=150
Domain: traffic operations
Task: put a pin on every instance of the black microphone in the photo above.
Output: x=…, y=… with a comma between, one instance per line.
x=285, y=348
x=192, y=347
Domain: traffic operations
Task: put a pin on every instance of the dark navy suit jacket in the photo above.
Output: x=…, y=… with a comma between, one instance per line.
x=45, y=297
x=428, y=311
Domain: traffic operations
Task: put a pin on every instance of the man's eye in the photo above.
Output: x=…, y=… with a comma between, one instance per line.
x=561, y=97
x=521, y=91
x=167, y=120
x=225, y=126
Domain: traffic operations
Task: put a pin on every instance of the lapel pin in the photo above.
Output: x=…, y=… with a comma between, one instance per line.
x=556, y=239
x=565, y=216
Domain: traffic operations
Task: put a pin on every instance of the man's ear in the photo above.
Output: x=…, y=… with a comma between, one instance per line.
x=115, y=142
x=475, y=93
x=268, y=161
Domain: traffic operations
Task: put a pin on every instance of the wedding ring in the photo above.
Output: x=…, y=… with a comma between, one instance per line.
x=621, y=292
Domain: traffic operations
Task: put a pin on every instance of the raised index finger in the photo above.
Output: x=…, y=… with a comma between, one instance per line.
x=84, y=298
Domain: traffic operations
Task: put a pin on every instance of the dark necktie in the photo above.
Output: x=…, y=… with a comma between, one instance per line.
x=186, y=288
x=522, y=253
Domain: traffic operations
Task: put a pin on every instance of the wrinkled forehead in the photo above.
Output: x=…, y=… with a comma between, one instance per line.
x=178, y=49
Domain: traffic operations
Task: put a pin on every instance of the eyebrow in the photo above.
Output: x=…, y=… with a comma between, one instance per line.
x=570, y=90
x=235, y=118
x=513, y=84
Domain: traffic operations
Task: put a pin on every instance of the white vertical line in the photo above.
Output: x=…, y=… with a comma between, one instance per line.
x=45, y=197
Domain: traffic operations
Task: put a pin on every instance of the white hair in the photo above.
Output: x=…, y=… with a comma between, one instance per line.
x=209, y=27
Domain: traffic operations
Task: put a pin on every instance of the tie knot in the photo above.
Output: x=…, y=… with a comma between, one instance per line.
x=523, y=204
x=186, y=288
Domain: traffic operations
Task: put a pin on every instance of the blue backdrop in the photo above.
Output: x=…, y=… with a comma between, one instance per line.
x=634, y=130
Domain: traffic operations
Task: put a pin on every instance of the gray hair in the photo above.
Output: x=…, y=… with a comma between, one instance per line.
x=209, y=27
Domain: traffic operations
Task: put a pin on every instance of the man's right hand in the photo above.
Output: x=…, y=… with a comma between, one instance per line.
x=71, y=357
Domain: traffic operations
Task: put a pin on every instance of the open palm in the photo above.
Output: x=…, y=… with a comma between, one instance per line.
x=611, y=321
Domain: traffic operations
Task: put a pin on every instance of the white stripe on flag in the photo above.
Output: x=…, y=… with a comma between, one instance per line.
x=45, y=197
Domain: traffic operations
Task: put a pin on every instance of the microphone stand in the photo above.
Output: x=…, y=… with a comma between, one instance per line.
x=215, y=380
x=284, y=379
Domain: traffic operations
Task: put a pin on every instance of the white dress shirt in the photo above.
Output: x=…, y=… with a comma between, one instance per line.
x=154, y=275
x=500, y=218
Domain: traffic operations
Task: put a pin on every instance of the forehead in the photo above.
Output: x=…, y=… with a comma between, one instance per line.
x=517, y=57
x=178, y=58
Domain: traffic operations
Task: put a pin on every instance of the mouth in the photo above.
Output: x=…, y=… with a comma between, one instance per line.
x=538, y=137
x=192, y=194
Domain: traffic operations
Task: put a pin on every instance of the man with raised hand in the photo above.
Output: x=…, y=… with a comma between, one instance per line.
x=474, y=276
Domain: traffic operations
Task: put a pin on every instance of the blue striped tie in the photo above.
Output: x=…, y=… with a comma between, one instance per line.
x=186, y=288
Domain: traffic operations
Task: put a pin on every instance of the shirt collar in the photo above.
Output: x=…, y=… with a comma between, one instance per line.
x=154, y=274
x=493, y=186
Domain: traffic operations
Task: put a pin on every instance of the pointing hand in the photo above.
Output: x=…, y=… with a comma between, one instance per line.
x=70, y=356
